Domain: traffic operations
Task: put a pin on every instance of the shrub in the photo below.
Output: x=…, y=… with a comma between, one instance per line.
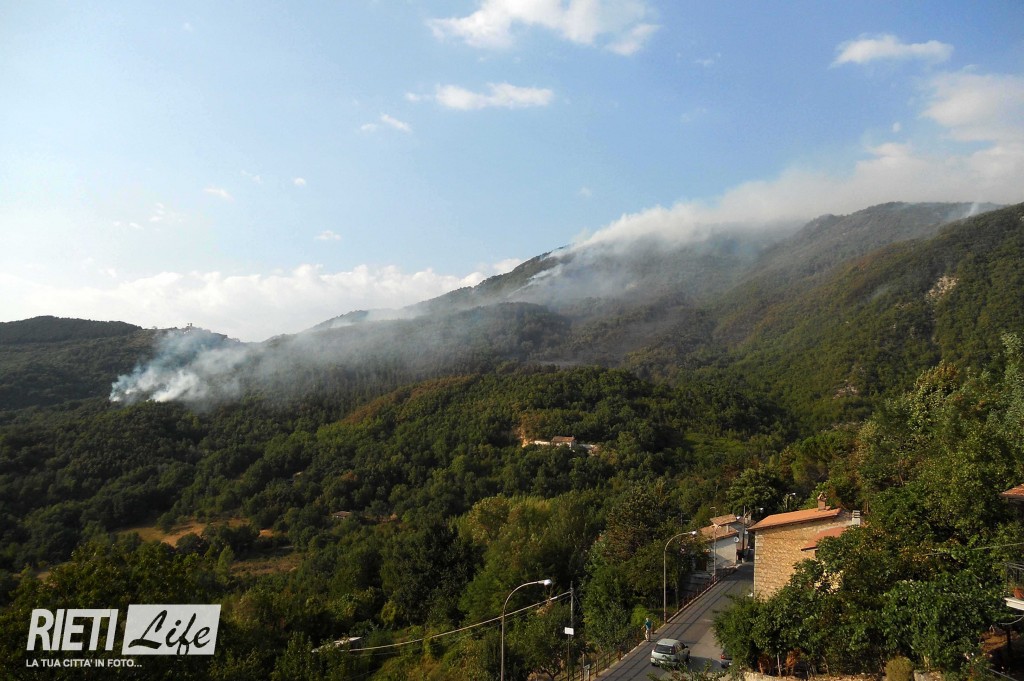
x=899, y=669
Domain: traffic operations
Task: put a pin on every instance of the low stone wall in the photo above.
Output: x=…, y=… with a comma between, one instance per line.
x=927, y=676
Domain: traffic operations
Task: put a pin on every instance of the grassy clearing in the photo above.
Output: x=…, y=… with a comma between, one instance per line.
x=266, y=565
x=154, y=533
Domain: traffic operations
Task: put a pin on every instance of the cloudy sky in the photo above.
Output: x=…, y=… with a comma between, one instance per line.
x=255, y=168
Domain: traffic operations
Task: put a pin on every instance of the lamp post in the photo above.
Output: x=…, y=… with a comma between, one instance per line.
x=714, y=547
x=714, y=556
x=664, y=574
x=545, y=582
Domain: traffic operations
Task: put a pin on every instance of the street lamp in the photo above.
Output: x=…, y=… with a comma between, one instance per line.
x=714, y=548
x=714, y=555
x=664, y=575
x=545, y=582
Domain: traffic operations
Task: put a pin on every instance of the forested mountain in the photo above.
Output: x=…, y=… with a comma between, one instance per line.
x=725, y=300
x=872, y=324
x=378, y=476
x=47, y=361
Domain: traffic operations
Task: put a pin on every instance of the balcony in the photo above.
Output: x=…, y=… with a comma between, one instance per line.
x=1015, y=585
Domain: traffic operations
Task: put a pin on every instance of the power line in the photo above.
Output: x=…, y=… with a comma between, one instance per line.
x=972, y=548
x=453, y=631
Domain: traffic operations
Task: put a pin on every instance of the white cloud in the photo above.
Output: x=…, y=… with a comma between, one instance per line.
x=620, y=24
x=395, y=123
x=251, y=306
x=864, y=50
x=506, y=266
x=633, y=41
x=389, y=121
x=985, y=110
x=219, y=192
x=159, y=216
x=328, y=235
x=975, y=107
x=499, y=95
x=299, y=182
x=256, y=179
x=693, y=115
x=708, y=62
x=159, y=213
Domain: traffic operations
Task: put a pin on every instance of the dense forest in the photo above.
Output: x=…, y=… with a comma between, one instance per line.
x=380, y=481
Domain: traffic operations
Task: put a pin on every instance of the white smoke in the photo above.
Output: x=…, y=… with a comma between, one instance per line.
x=192, y=365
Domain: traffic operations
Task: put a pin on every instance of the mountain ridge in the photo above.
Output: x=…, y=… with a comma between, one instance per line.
x=660, y=314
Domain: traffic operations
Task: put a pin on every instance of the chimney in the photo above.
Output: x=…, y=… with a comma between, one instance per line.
x=822, y=502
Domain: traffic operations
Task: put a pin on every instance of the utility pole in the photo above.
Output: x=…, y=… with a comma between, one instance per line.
x=714, y=547
x=572, y=626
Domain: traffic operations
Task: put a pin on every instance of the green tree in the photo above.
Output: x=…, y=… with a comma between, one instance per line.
x=423, y=574
x=939, y=621
x=734, y=630
x=608, y=601
x=755, y=488
x=538, y=642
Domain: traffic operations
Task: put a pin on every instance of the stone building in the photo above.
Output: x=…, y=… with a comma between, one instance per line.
x=784, y=539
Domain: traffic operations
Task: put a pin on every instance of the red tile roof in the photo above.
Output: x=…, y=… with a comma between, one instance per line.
x=830, y=532
x=721, y=532
x=725, y=519
x=1015, y=494
x=805, y=516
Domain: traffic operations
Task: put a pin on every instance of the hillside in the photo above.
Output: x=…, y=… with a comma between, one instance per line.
x=808, y=257
x=47, y=361
x=55, y=329
x=875, y=322
x=385, y=474
x=733, y=304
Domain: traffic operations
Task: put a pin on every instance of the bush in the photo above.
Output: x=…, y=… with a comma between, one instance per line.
x=899, y=669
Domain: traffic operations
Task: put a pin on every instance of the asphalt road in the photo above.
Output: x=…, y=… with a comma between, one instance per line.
x=692, y=626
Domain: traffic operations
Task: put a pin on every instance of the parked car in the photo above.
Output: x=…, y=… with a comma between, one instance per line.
x=725, y=660
x=669, y=651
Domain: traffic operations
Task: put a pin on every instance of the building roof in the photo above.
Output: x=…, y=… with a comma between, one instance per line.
x=720, y=532
x=830, y=532
x=726, y=519
x=806, y=516
x=1015, y=494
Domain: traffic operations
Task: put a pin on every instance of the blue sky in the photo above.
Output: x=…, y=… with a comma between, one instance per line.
x=256, y=168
